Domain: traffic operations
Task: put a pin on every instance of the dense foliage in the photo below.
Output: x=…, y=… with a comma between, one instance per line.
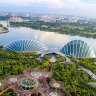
x=75, y=81
x=3, y=29
x=78, y=28
x=13, y=63
x=89, y=63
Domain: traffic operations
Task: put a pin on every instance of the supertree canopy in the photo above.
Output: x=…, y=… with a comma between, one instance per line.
x=33, y=82
x=25, y=46
x=28, y=83
x=37, y=73
x=11, y=80
x=52, y=92
x=56, y=84
x=78, y=48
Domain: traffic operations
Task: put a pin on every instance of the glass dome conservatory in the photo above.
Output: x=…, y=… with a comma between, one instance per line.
x=78, y=48
x=25, y=46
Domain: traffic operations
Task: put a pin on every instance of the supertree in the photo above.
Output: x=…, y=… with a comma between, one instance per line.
x=56, y=84
x=27, y=86
x=12, y=80
x=38, y=74
x=52, y=92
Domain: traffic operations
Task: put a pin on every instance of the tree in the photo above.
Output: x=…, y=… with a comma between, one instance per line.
x=1, y=72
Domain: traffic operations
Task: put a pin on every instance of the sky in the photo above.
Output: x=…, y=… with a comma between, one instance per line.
x=62, y=7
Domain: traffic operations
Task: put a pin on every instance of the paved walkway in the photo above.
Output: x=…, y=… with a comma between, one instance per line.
x=56, y=51
x=50, y=51
x=89, y=72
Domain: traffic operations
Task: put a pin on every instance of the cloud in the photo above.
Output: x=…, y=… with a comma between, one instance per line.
x=49, y=38
x=75, y=4
x=49, y=3
x=52, y=6
x=55, y=4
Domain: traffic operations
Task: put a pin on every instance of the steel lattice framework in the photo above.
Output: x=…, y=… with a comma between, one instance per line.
x=26, y=46
x=32, y=82
x=78, y=48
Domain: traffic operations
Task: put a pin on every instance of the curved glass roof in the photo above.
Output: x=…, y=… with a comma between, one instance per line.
x=78, y=48
x=25, y=46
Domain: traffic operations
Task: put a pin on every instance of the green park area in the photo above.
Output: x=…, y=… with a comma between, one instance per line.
x=3, y=29
x=84, y=30
x=75, y=81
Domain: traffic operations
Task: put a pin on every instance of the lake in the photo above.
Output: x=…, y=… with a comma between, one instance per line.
x=50, y=39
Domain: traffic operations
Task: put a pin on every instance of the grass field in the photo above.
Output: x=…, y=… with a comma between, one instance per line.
x=73, y=27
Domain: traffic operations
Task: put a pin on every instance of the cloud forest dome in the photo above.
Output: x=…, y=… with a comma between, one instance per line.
x=78, y=48
x=25, y=46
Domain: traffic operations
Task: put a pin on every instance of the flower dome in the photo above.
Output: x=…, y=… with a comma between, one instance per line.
x=78, y=48
x=25, y=46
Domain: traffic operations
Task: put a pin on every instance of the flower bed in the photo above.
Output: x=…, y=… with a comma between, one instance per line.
x=28, y=83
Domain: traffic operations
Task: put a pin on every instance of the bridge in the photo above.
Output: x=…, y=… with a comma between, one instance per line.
x=56, y=51
x=51, y=51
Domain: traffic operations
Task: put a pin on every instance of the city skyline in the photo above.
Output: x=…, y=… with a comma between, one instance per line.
x=59, y=7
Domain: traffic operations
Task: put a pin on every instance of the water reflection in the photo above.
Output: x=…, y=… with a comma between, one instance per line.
x=51, y=39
